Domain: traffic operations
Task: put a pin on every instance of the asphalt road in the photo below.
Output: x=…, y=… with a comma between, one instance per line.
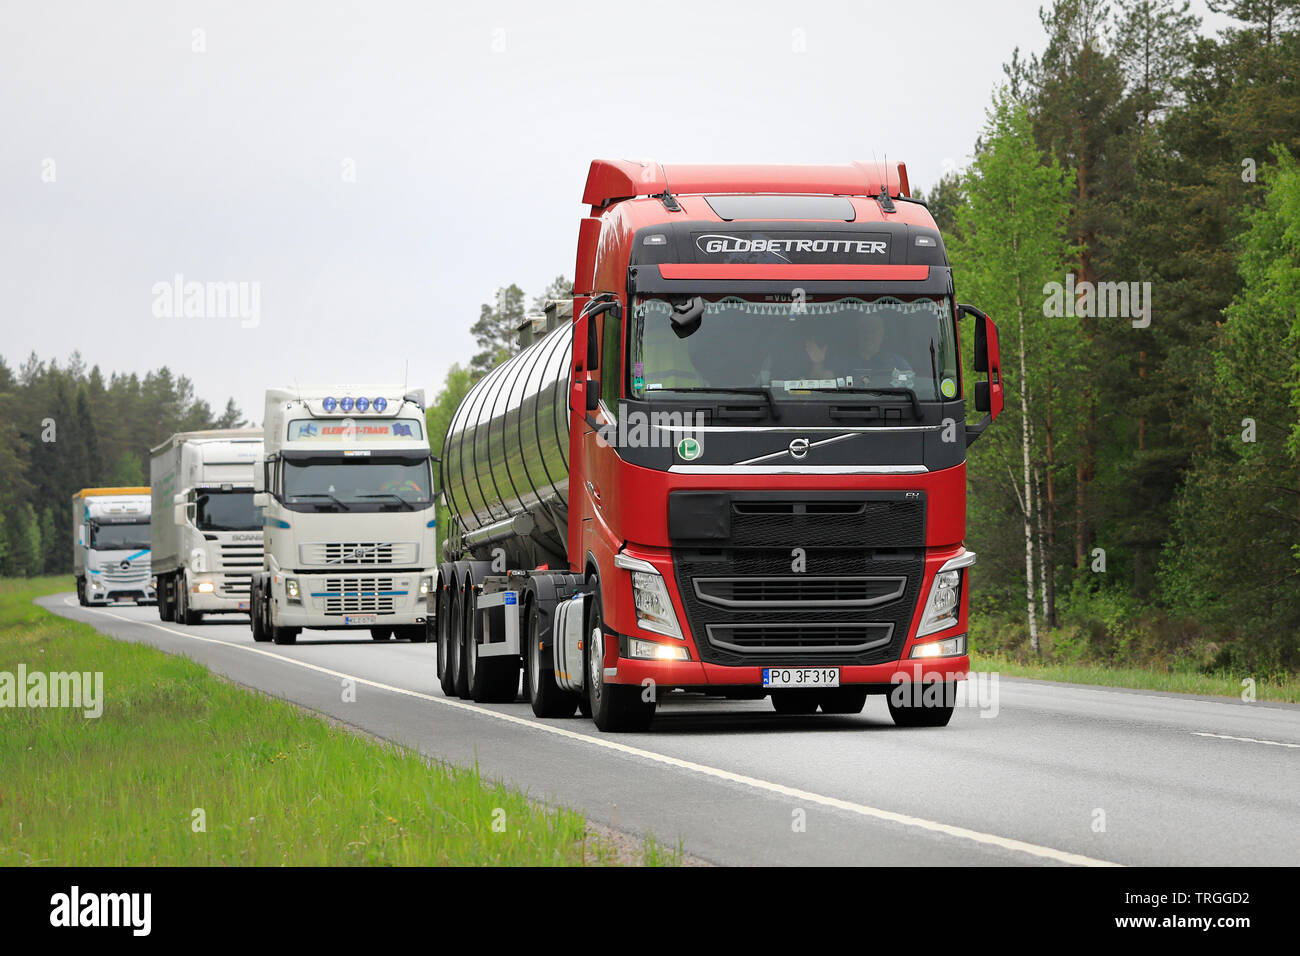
x=1057, y=774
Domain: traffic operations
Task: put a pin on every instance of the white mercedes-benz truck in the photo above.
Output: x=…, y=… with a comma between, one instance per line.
x=110, y=545
x=345, y=489
x=207, y=536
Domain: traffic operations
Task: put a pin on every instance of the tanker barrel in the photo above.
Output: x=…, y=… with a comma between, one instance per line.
x=506, y=452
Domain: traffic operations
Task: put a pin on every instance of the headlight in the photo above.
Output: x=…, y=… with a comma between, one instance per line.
x=654, y=608
x=948, y=647
x=204, y=587
x=291, y=590
x=426, y=587
x=941, y=608
x=654, y=651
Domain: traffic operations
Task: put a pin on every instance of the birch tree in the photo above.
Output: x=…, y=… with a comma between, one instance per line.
x=1011, y=244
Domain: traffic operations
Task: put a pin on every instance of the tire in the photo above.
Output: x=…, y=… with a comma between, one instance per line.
x=547, y=698
x=255, y=619
x=446, y=635
x=284, y=635
x=186, y=616
x=381, y=633
x=843, y=700
x=616, y=708
x=909, y=707
x=164, y=610
x=795, y=702
x=461, y=675
x=81, y=592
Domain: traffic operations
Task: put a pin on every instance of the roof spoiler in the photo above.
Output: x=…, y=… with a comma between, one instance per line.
x=610, y=180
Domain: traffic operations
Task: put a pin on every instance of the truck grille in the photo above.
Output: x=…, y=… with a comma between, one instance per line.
x=854, y=606
x=776, y=638
x=114, y=576
x=241, y=557
x=799, y=590
x=846, y=522
x=361, y=553
x=359, y=595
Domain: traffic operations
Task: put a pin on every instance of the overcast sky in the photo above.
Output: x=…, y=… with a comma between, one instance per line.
x=375, y=170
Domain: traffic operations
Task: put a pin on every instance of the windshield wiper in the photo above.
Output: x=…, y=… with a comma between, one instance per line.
x=323, y=494
x=907, y=393
x=765, y=392
x=409, y=506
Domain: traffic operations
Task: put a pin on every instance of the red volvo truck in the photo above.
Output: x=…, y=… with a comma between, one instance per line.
x=737, y=465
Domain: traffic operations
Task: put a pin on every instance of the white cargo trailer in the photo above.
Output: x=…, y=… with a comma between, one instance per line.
x=207, y=536
x=347, y=499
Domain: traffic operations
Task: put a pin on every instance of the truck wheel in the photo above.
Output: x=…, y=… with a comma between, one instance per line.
x=461, y=673
x=381, y=633
x=795, y=701
x=446, y=636
x=843, y=700
x=616, y=708
x=915, y=705
x=162, y=597
x=255, y=619
x=546, y=696
x=284, y=635
x=81, y=592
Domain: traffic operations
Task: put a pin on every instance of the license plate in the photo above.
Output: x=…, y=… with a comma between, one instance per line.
x=242, y=606
x=801, y=677
x=360, y=619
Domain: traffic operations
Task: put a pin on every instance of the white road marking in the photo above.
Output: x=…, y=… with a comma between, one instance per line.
x=976, y=836
x=1248, y=740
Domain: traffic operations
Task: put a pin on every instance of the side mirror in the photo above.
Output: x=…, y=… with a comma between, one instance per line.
x=593, y=394
x=988, y=393
x=261, y=499
x=594, y=308
x=178, y=513
x=259, y=476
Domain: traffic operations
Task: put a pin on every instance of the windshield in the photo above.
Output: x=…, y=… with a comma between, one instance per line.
x=227, y=511
x=120, y=537
x=358, y=485
x=799, y=348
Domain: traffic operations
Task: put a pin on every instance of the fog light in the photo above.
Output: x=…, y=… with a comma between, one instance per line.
x=654, y=651
x=948, y=647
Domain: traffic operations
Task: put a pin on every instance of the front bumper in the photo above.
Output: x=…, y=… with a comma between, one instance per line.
x=352, y=600
x=697, y=674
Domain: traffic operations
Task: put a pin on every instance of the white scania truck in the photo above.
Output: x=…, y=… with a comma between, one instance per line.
x=207, y=536
x=345, y=489
x=110, y=545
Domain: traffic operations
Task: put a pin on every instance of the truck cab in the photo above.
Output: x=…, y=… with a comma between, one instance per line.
x=345, y=491
x=111, y=546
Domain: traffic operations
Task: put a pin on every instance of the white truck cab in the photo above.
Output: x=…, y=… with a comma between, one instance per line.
x=207, y=536
x=346, y=495
x=110, y=545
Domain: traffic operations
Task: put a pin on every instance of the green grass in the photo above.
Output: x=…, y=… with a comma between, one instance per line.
x=275, y=786
x=1221, y=684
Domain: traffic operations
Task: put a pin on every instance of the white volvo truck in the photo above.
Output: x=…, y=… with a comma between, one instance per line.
x=345, y=489
x=207, y=536
x=110, y=545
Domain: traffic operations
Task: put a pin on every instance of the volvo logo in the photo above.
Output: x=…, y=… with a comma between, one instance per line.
x=799, y=448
